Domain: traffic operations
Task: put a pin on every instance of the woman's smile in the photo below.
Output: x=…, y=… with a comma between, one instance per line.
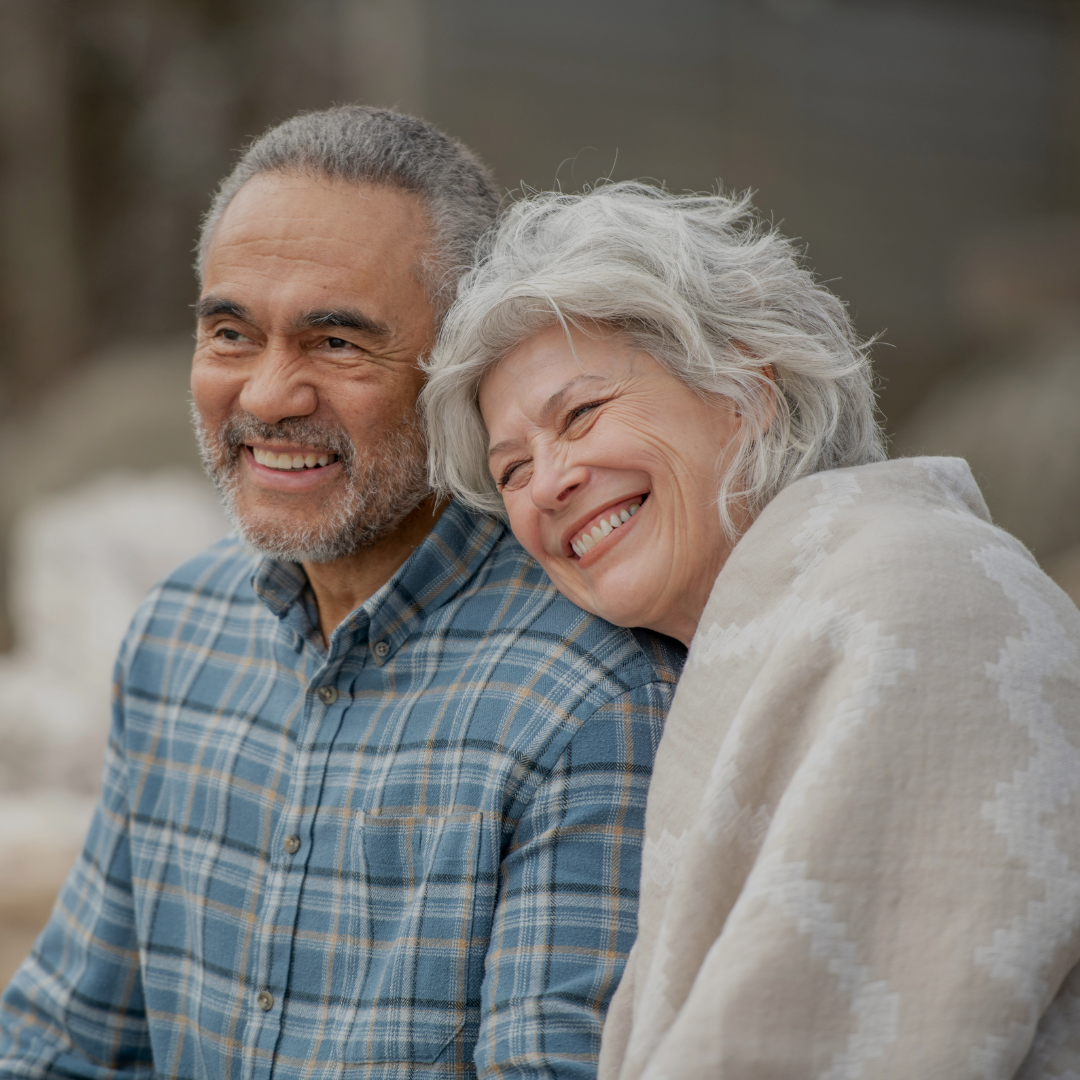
x=601, y=526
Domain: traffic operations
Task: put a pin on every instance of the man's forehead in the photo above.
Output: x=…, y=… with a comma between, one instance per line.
x=277, y=217
x=312, y=248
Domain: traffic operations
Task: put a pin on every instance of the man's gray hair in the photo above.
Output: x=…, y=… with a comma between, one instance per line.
x=699, y=282
x=365, y=145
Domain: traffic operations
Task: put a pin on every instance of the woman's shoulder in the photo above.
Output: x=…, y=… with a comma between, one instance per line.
x=905, y=541
x=882, y=506
x=883, y=594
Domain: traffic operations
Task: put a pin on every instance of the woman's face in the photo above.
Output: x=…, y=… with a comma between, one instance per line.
x=581, y=439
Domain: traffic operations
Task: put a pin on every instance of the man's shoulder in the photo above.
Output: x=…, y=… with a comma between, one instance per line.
x=216, y=579
x=513, y=600
x=222, y=572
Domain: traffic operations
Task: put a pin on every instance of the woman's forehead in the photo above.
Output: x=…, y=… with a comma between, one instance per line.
x=553, y=360
x=539, y=390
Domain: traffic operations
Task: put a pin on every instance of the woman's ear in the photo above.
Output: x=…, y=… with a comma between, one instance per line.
x=769, y=391
x=765, y=403
x=768, y=388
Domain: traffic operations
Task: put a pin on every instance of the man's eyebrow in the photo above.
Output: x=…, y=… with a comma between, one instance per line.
x=344, y=318
x=210, y=306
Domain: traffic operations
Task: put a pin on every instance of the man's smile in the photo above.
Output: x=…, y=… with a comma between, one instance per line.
x=292, y=459
x=294, y=469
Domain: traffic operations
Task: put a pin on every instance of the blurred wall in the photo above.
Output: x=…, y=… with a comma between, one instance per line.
x=886, y=134
x=897, y=138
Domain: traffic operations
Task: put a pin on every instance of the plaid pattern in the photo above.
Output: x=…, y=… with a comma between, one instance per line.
x=383, y=858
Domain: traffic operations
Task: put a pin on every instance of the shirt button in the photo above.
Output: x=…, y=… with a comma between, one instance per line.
x=327, y=694
x=291, y=844
x=381, y=648
x=265, y=1000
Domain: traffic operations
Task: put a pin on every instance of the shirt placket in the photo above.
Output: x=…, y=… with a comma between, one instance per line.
x=291, y=846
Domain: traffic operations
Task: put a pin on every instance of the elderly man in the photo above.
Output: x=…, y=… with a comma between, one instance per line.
x=374, y=793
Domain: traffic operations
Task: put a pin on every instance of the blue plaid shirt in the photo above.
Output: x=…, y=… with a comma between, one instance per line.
x=414, y=853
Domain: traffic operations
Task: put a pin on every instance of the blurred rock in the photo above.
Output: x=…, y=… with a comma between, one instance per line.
x=40, y=835
x=1015, y=420
x=1013, y=410
x=125, y=408
x=1064, y=568
x=107, y=498
x=81, y=563
x=1018, y=275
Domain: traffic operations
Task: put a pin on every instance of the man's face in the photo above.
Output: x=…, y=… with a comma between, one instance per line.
x=305, y=380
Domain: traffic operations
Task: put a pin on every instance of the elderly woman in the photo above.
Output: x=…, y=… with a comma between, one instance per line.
x=862, y=851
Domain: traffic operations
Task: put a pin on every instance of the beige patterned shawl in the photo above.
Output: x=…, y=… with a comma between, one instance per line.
x=862, y=852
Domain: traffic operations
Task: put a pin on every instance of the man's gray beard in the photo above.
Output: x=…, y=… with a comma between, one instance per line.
x=382, y=486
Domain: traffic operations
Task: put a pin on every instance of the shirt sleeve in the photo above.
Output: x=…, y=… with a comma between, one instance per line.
x=566, y=914
x=75, y=1006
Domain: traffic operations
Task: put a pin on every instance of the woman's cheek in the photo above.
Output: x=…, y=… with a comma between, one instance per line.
x=523, y=524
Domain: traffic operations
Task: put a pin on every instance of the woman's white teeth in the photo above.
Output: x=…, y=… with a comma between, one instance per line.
x=291, y=461
x=607, y=526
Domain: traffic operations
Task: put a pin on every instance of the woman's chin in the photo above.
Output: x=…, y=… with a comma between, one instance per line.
x=610, y=604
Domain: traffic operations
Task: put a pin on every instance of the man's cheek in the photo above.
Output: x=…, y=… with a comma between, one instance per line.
x=212, y=388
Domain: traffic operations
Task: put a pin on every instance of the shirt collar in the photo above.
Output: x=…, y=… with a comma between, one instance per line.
x=433, y=574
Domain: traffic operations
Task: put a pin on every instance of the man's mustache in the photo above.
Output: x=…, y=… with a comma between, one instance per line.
x=243, y=428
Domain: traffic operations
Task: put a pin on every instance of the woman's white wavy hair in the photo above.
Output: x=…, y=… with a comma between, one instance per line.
x=697, y=281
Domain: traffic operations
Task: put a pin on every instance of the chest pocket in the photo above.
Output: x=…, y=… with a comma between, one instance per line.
x=425, y=911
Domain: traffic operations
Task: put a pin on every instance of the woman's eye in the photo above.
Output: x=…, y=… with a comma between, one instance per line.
x=580, y=411
x=512, y=476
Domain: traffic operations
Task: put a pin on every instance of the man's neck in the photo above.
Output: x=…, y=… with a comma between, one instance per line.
x=341, y=586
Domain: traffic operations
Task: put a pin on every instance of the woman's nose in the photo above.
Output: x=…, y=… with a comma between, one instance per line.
x=555, y=481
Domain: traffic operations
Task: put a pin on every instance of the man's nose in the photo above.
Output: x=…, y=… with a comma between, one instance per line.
x=278, y=385
x=555, y=480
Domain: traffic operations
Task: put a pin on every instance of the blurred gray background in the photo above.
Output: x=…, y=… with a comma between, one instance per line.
x=927, y=154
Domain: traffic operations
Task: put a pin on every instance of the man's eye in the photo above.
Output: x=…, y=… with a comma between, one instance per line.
x=230, y=335
x=338, y=343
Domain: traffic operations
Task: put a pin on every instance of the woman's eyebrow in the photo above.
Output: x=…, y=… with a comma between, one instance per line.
x=500, y=447
x=555, y=401
x=549, y=407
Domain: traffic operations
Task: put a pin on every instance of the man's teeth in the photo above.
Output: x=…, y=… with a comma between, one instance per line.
x=291, y=461
x=605, y=527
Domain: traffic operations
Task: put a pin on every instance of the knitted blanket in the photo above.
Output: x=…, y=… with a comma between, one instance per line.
x=862, y=852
